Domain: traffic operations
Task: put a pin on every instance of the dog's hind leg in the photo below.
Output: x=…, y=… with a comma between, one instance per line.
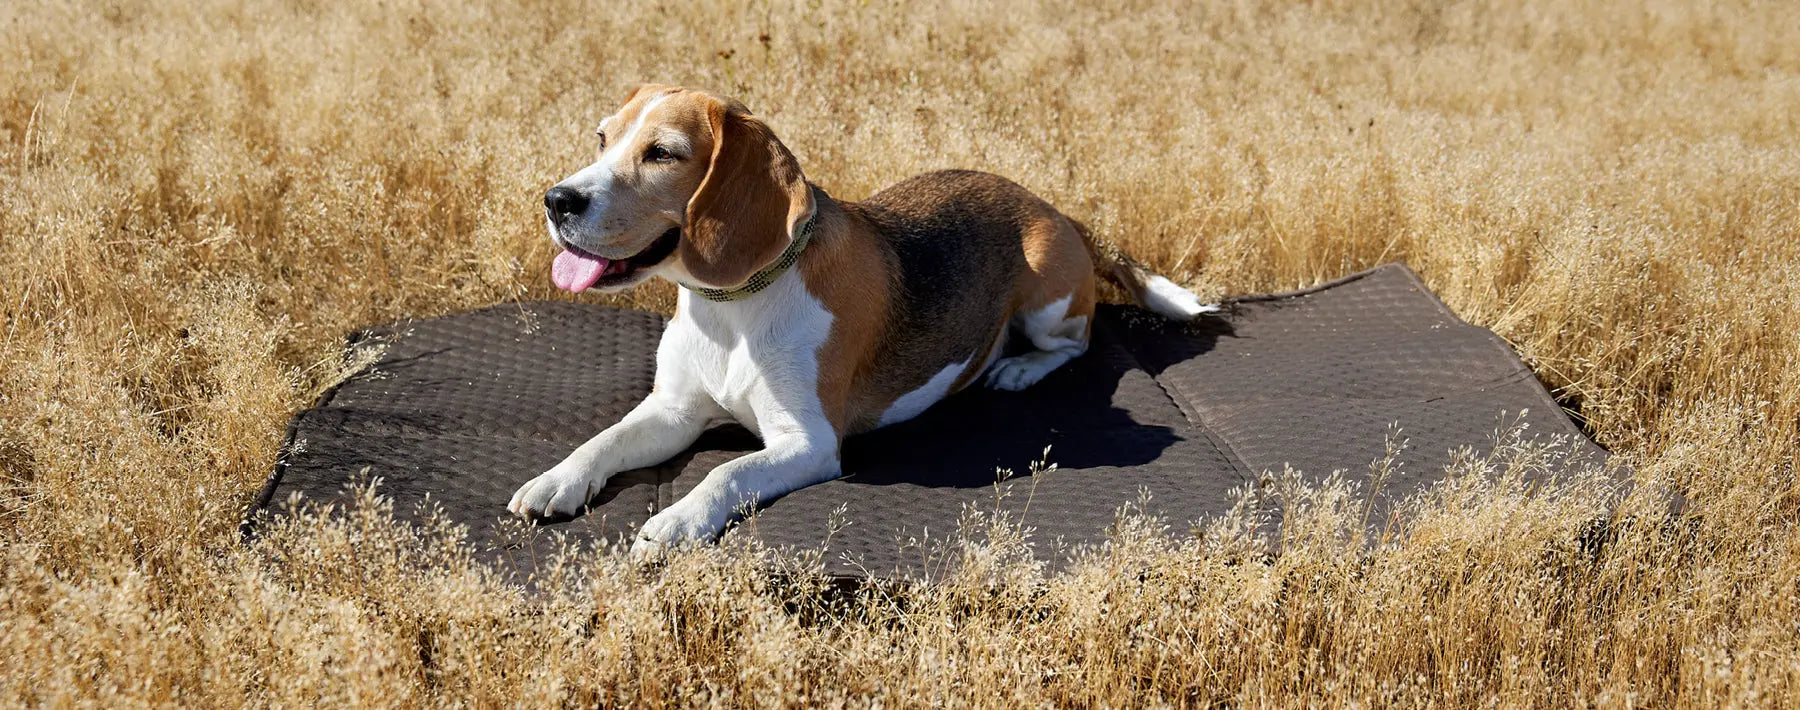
x=1057, y=311
x=1058, y=337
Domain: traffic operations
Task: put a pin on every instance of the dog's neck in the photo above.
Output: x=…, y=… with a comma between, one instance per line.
x=766, y=276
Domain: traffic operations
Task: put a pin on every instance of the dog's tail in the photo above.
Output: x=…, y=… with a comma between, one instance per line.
x=1146, y=288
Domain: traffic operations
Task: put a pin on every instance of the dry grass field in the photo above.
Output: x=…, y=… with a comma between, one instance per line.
x=199, y=197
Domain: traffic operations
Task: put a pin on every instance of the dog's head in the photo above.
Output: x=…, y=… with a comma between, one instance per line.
x=686, y=185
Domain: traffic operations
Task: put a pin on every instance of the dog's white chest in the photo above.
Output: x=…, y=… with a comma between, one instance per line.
x=758, y=359
x=737, y=379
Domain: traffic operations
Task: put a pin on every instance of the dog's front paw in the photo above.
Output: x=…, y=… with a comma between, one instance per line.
x=683, y=524
x=552, y=496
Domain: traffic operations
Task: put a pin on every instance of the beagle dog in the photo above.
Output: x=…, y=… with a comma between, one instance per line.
x=804, y=318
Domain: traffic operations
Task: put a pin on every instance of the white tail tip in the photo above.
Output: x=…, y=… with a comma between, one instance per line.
x=1163, y=296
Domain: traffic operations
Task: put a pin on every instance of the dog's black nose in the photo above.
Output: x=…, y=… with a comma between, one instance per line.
x=564, y=201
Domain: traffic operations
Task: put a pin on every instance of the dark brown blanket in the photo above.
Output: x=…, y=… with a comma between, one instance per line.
x=466, y=408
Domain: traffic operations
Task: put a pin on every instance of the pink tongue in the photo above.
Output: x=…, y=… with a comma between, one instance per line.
x=574, y=272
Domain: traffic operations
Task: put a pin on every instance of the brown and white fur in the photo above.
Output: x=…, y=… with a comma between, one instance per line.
x=899, y=301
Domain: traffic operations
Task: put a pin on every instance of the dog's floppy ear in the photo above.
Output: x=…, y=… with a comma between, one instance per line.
x=748, y=206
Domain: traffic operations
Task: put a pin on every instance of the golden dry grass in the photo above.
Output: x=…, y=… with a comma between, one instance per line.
x=198, y=198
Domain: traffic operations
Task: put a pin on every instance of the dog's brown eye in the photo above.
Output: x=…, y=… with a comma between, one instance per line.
x=657, y=154
x=602, y=135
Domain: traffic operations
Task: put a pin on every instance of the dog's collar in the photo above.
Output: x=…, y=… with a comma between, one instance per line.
x=763, y=278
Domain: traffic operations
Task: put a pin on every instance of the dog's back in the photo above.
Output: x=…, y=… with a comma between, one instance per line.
x=962, y=249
